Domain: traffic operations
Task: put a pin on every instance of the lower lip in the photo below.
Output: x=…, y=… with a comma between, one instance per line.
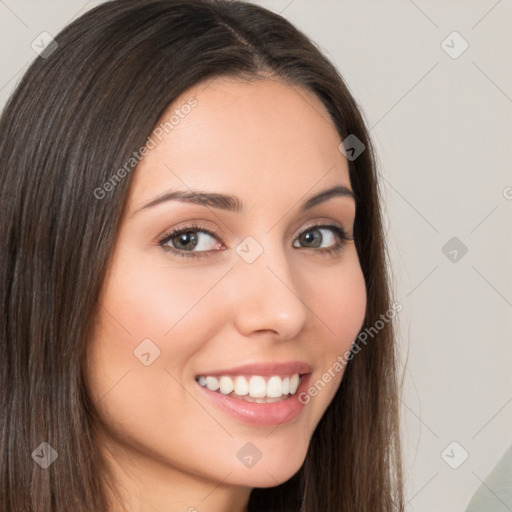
x=261, y=414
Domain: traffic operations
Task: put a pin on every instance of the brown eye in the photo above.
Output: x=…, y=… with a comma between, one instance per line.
x=195, y=240
x=188, y=240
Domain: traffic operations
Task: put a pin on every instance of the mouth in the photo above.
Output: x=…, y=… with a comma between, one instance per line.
x=253, y=388
x=261, y=400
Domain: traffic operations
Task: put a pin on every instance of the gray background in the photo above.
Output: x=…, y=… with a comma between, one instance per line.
x=442, y=129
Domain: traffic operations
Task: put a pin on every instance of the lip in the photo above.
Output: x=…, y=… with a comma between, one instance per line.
x=263, y=369
x=260, y=414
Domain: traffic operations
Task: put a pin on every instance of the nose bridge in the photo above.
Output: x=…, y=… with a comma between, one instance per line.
x=267, y=296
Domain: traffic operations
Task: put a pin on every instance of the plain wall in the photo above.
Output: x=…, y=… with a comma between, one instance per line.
x=442, y=128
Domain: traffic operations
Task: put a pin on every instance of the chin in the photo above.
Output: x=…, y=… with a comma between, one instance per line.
x=271, y=472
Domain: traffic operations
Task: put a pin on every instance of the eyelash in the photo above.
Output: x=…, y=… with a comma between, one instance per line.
x=166, y=237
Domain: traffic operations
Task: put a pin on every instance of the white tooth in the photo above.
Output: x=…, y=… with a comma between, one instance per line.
x=286, y=385
x=241, y=386
x=226, y=385
x=212, y=383
x=202, y=381
x=294, y=383
x=274, y=387
x=257, y=387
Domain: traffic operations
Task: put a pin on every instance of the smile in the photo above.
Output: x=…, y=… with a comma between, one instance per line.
x=255, y=388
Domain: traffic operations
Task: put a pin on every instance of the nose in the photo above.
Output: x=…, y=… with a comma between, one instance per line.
x=267, y=296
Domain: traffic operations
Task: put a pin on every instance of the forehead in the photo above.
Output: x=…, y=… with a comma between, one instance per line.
x=231, y=136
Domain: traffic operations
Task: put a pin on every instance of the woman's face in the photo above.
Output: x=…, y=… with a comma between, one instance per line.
x=262, y=290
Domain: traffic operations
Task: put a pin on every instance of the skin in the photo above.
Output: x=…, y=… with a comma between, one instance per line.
x=273, y=146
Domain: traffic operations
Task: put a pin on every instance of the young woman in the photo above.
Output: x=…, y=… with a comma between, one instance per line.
x=196, y=313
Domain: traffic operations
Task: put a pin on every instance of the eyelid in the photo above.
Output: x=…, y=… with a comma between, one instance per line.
x=193, y=225
x=326, y=223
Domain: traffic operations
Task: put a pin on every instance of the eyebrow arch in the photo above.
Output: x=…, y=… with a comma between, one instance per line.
x=233, y=204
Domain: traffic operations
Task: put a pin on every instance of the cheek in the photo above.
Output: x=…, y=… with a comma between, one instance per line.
x=141, y=403
x=148, y=300
x=150, y=308
x=145, y=299
x=339, y=304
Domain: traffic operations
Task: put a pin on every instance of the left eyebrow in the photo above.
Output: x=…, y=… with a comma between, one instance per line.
x=337, y=191
x=234, y=204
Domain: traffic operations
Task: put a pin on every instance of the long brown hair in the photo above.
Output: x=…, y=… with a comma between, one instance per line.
x=78, y=114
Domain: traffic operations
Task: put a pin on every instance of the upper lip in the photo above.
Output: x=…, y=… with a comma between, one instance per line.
x=264, y=369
